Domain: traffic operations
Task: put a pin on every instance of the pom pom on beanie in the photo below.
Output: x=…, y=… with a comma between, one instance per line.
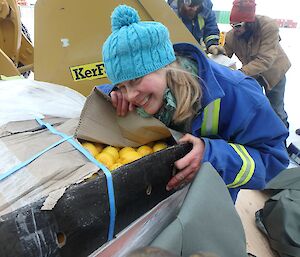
x=124, y=16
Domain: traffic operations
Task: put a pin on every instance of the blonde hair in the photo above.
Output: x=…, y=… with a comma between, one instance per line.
x=186, y=90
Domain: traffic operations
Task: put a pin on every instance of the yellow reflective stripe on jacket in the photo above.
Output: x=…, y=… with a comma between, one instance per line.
x=210, y=122
x=247, y=168
x=211, y=37
x=201, y=22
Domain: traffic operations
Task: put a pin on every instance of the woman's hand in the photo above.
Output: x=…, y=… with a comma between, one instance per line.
x=120, y=102
x=189, y=164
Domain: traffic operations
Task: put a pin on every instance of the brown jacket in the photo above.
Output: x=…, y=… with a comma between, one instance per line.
x=262, y=54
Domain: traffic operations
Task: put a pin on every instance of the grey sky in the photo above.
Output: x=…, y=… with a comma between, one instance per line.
x=287, y=9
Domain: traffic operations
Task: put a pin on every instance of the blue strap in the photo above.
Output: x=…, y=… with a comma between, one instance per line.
x=110, y=186
x=87, y=154
x=25, y=163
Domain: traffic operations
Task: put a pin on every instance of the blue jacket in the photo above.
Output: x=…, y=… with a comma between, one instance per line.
x=244, y=138
x=204, y=26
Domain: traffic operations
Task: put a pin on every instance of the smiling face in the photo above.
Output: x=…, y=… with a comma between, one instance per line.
x=146, y=92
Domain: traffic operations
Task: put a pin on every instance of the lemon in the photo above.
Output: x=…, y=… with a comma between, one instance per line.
x=115, y=166
x=124, y=150
x=99, y=147
x=90, y=147
x=119, y=160
x=130, y=156
x=159, y=146
x=144, y=150
x=106, y=159
x=112, y=151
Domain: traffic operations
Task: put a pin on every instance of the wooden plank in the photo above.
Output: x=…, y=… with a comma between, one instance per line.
x=248, y=202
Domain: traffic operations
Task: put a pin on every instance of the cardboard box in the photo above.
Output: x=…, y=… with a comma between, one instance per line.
x=76, y=219
x=55, y=170
x=100, y=123
x=79, y=221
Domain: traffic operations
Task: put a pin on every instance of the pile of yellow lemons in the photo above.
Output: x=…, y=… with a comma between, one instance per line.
x=114, y=157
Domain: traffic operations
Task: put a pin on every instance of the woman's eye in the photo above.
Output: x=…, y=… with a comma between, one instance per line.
x=120, y=86
x=136, y=81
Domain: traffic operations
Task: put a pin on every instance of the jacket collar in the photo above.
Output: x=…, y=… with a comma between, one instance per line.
x=206, y=10
x=210, y=86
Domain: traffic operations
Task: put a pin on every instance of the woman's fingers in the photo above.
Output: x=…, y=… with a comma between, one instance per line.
x=194, y=157
x=181, y=177
x=120, y=103
x=189, y=164
x=124, y=106
x=114, y=98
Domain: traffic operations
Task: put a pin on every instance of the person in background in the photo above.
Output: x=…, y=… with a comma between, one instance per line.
x=199, y=18
x=220, y=111
x=254, y=39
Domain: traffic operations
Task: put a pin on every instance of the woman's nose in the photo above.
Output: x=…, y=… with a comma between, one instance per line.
x=131, y=93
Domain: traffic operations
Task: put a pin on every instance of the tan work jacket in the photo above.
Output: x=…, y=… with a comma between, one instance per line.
x=262, y=54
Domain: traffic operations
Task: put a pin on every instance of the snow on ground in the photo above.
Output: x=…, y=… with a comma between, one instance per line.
x=27, y=18
x=290, y=43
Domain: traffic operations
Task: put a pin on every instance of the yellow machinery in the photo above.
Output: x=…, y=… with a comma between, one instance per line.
x=16, y=52
x=69, y=35
x=68, y=39
x=222, y=38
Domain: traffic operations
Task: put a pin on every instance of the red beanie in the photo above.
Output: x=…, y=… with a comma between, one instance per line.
x=243, y=10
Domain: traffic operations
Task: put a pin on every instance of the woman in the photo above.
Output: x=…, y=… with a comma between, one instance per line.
x=220, y=111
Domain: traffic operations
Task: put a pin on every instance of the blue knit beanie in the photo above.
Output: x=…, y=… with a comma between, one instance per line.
x=134, y=48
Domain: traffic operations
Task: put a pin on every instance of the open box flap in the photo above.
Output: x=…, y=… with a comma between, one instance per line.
x=100, y=123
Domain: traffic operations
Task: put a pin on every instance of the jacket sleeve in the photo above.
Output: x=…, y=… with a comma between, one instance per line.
x=254, y=152
x=173, y=5
x=106, y=88
x=267, y=52
x=211, y=33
